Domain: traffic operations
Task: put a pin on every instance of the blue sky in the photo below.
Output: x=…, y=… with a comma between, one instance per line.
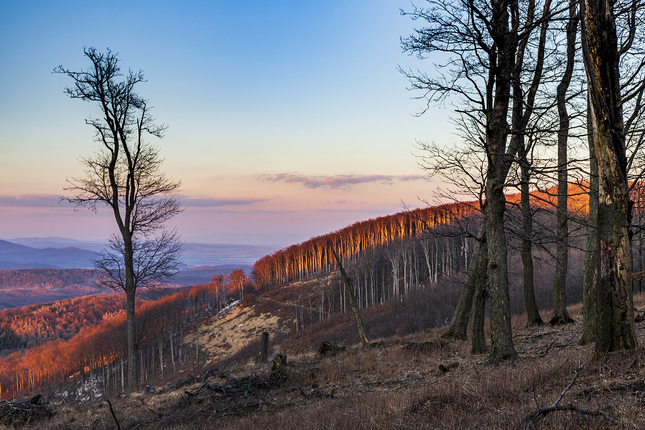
x=287, y=119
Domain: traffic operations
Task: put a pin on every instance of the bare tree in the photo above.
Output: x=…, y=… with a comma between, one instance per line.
x=352, y=299
x=484, y=43
x=560, y=314
x=631, y=34
x=125, y=176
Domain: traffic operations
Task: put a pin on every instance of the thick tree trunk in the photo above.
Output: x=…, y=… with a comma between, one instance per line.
x=131, y=327
x=479, y=312
x=502, y=347
x=615, y=327
x=591, y=268
x=132, y=340
x=497, y=131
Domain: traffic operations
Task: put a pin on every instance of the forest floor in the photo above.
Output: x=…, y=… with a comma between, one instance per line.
x=401, y=382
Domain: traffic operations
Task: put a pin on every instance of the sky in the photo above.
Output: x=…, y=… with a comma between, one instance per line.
x=286, y=119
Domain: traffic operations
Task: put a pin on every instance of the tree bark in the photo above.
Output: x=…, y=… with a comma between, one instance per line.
x=497, y=131
x=130, y=291
x=591, y=267
x=477, y=272
x=478, y=345
x=615, y=326
x=502, y=347
x=532, y=313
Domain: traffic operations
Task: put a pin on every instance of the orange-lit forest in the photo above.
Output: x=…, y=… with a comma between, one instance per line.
x=361, y=238
x=390, y=256
x=90, y=341
x=405, y=247
x=33, y=325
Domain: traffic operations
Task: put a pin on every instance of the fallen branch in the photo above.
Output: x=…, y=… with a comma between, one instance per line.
x=541, y=413
x=556, y=406
x=118, y=426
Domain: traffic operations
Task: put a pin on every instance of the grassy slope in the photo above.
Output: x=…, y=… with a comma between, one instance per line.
x=397, y=384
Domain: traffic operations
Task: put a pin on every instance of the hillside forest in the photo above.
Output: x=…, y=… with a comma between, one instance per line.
x=49, y=345
x=388, y=259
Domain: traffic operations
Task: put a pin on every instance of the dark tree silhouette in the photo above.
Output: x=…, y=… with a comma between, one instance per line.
x=124, y=175
x=484, y=44
x=560, y=313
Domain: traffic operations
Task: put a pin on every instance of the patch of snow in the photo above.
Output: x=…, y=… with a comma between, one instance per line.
x=221, y=314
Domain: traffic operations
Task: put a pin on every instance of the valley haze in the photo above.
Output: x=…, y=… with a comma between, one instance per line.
x=34, y=255
x=63, y=253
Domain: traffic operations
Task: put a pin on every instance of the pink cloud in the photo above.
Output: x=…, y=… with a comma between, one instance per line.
x=208, y=202
x=336, y=181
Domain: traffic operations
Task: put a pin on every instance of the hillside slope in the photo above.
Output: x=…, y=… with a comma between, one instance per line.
x=413, y=381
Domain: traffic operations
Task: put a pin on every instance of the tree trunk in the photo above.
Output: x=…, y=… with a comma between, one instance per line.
x=615, y=327
x=591, y=268
x=132, y=340
x=497, y=131
x=172, y=349
x=479, y=313
x=560, y=314
x=532, y=313
x=502, y=347
x=130, y=291
x=264, y=352
x=477, y=272
x=161, y=354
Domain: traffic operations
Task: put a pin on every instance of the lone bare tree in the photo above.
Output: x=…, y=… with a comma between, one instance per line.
x=124, y=175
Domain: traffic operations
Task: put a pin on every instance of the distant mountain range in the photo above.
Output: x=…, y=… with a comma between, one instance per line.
x=16, y=256
x=62, y=253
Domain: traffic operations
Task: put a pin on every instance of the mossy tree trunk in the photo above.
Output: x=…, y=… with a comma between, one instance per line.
x=479, y=311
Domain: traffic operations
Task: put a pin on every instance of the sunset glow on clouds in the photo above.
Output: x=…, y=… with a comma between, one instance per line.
x=286, y=120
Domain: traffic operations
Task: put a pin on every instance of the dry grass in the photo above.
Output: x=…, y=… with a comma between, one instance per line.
x=397, y=384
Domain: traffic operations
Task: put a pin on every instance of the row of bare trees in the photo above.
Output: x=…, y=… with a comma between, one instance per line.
x=533, y=81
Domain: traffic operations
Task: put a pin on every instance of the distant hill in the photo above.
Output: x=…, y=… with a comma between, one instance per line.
x=15, y=256
x=24, y=287
x=62, y=253
x=28, y=326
